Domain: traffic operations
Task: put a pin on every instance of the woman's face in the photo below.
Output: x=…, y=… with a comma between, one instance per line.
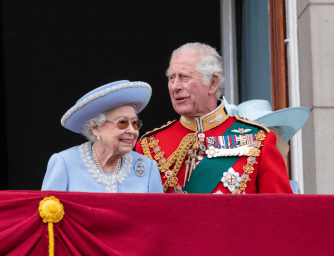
x=118, y=141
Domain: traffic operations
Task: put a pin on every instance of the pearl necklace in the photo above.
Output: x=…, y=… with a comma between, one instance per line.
x=109, y=181
x=96, y=160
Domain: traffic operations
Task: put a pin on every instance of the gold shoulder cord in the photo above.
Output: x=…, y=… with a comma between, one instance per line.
x=175, y=159
x=146, y=148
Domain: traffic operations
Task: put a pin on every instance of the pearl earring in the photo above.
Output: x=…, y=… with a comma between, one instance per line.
x=98, y=138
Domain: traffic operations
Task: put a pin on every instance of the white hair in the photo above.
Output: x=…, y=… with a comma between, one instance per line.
x=97, y=120
x=210, y=63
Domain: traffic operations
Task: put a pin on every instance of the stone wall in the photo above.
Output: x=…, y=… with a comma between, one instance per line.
x=316, y=63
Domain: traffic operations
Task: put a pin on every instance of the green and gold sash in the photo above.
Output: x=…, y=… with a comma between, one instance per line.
x=209, y=171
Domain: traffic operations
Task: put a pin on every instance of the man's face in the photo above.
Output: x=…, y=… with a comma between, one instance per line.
x=190, y=97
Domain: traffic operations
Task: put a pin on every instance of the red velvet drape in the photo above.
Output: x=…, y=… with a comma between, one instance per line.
x=169, y=224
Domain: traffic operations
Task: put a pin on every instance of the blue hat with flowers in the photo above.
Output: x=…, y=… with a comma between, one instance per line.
x=106, y=97
x=288, y=120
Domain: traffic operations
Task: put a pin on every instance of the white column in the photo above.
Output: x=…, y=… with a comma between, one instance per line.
x=228, y=46
x=294, y=91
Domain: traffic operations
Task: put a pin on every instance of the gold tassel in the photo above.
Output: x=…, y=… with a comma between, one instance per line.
x=51, y=211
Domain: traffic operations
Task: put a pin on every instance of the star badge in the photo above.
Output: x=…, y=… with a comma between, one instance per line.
x=231, y=179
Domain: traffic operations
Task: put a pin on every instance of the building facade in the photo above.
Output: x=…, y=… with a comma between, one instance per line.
x=316, y=77
x=296, y=39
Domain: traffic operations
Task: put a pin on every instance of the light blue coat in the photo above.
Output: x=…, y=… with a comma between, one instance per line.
x=295, y=187
x=67, y=171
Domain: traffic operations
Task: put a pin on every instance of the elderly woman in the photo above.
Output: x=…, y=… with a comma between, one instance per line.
x=107, y=116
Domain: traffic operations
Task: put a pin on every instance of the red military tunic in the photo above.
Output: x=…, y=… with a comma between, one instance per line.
x=169, y=144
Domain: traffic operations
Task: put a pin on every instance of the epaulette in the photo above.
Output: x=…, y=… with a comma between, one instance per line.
x=155, y=130
x=254, y=123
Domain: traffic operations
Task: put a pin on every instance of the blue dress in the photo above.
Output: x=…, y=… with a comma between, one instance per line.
x=75, y=170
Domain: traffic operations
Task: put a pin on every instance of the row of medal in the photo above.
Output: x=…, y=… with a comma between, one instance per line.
x=218, y=146
x=220, y=152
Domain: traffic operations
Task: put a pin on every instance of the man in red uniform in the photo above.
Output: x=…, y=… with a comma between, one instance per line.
x=208, y=151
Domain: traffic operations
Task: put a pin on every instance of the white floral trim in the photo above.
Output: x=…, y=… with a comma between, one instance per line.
x=89, y=99
x=101, y=178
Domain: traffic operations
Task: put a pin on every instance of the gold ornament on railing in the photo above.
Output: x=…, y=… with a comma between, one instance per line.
x=51, y=211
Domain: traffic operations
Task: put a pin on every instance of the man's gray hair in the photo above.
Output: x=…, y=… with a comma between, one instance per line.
x=210, y=63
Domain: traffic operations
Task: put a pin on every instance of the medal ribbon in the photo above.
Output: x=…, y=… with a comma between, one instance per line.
x=229, y=140
x=209, y=172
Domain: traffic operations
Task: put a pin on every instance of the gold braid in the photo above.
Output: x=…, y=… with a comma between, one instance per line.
x=146, y=148
x=178, y=157
x=175, y=159
x=51, y=239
